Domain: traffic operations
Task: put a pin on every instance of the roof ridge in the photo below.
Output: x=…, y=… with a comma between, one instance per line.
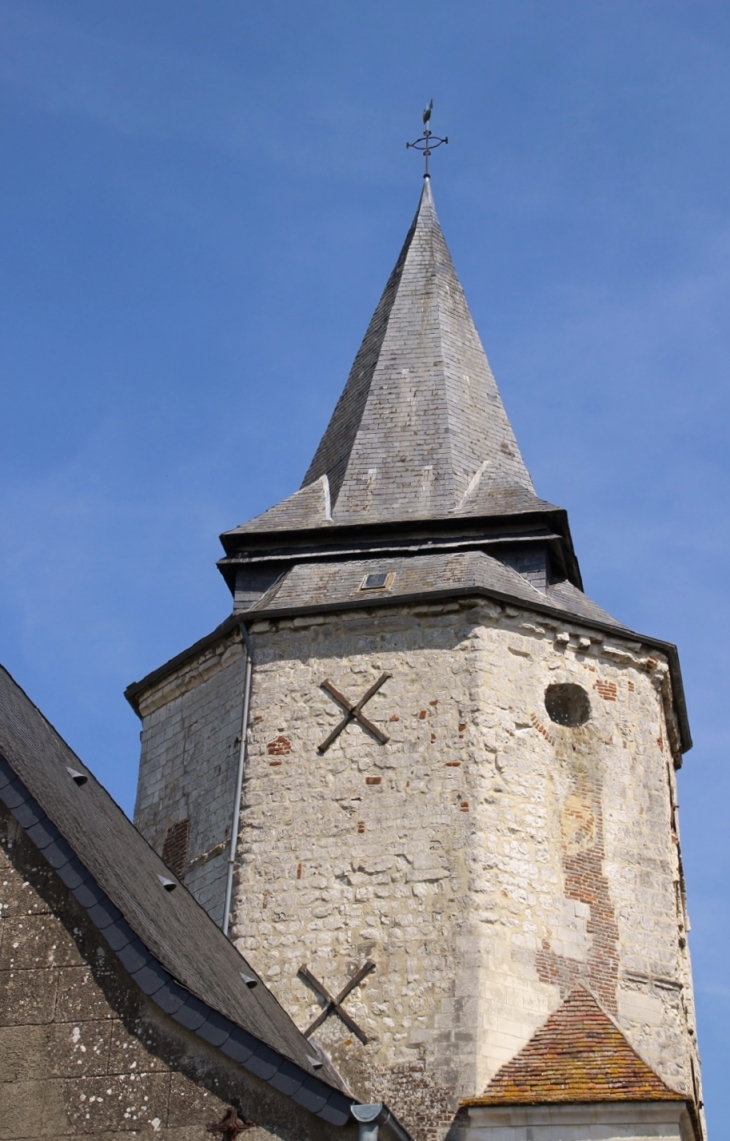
x=330, y=460
x=470, y=481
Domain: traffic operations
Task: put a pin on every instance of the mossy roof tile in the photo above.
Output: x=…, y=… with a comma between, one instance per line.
x=578, y=1055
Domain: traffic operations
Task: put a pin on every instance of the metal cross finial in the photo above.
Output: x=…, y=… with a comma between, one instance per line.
x=428, y=141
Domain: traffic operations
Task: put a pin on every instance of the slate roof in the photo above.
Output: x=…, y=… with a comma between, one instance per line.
x=578, y=1056
x=331, y=583
x=165, y=940
x=420, y=431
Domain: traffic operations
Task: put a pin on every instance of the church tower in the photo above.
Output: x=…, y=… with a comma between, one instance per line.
x=424, y=782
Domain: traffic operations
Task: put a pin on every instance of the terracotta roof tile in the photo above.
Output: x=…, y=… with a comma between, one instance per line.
x=579, y=1055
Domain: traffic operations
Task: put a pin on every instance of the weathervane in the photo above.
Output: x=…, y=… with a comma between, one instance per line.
x=428, y=142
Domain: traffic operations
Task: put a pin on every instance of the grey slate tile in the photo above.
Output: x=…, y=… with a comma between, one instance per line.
x=420, y=431
x=312, y=584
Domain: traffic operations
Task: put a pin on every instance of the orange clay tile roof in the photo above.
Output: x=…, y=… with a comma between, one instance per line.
x=579, y=1055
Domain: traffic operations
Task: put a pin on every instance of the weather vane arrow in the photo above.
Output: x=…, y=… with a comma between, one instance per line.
x=428, y=141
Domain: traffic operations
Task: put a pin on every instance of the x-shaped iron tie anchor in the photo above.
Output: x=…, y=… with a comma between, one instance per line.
x=354, y=712
x=333, y=1005
x=230, y=1125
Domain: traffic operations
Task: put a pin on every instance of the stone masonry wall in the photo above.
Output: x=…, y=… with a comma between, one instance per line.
x=633, y=1121
x=486, y=859
x=190, y=743
x=82, y=1052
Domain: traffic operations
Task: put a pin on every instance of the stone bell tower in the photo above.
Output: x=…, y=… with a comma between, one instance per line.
x=455, y=853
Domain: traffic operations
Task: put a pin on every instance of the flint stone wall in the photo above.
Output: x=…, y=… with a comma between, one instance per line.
x=83, y=1053
x=485, y=858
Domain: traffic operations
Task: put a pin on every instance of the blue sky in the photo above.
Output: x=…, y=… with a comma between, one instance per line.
x=201, y=202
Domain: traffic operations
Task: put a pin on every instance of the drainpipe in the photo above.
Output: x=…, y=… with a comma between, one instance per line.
x=370, y=1117
x=235, y=820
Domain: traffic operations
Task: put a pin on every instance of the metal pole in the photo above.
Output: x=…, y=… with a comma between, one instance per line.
x=235, y=820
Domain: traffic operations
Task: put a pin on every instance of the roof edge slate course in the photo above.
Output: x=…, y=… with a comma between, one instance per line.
x=333, y=581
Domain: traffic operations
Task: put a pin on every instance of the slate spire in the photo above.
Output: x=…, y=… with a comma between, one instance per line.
x=420, y=430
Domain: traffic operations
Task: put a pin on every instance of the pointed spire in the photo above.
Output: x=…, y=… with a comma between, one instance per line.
x=420, y=430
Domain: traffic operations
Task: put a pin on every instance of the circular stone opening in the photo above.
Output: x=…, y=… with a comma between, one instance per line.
x=567, y=704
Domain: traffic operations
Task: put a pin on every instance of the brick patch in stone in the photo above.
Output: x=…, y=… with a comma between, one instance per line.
x=542, y=730
x=583, y=855
x=279, y=747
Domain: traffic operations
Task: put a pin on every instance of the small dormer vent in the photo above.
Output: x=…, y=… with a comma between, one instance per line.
x=378, y=581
